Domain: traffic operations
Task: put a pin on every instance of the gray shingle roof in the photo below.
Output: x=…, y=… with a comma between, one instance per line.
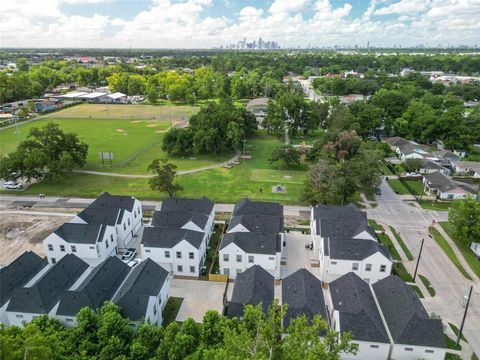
x=396, y=141
x=203, y=206
x=442, y=182
x=177, y=219
x=99, y=215
x=358, y=312
x=145, y=280
x=247, y=207
x=258, y=223
x=168, y=238
x=99, y=286
x=406, y=318
x=341, y=221
x=80, y=233
x=253, y=286
x=18, y=273
x=302, y=291
x=353, y=249
x=253, y=243
x=107, y=200
x=45, y=293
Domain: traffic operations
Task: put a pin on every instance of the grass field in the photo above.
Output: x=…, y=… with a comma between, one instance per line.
x=171, y=310
x=284, y=176
x=436, y=205
x=402, y=244
x=427, y=284
x=398, y=187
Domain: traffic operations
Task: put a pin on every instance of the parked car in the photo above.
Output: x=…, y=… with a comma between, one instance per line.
x=128, y=255
x=378, y=191
x=134, y=262
x=12, y=185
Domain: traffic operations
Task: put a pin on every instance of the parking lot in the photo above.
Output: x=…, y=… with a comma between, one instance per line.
x=198, y=297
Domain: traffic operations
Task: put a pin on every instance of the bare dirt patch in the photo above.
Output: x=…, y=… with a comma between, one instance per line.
x=120, y=130
x=20, y=233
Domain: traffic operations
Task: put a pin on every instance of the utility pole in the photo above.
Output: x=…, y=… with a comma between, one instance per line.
x=464, y=314
x=418, y=260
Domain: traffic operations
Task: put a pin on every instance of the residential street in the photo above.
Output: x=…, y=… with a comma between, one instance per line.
x=450, y=285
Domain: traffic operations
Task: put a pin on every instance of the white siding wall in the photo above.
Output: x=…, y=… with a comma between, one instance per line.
x=399, y=352
x=369, y=351
x=3, y=313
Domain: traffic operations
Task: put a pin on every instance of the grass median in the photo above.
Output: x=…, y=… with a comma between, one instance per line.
x=402, y=244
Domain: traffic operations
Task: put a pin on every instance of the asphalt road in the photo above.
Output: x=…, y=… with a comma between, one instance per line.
x=450, y=285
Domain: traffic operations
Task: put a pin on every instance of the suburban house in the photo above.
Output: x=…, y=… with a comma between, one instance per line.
x=411, y=151
x=471, y=168
x=144, y=294
x=99, y=286
x=179, y=251
x=240, y=250
x=428, y=166
x=302, y=292
x=444, y=188
x=253, y=286
x=475, y=247
x=345, y=242
x=351, y=307
x=395, y=142
x=413, y=333
x=40, y=295
x=17, y=274
x=254, y=237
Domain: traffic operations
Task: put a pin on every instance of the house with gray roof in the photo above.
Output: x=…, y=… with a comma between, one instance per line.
x=252, y=287
x=144, y=293
x=302, y=292
x=203, y=205
x=180, y=251
x=248, y=207
x=445, y=188
x=99, y=286
x=345, y=242
x=17, y=274
x=351, y=307
x=40, y=295
x=414, y=334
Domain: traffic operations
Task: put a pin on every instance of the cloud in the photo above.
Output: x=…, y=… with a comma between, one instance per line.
x=405, y=7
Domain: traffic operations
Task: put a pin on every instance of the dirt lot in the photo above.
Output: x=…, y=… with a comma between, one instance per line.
x=19, y=233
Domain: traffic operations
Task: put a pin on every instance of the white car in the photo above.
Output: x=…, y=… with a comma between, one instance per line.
x=134, y=262
x=128, y=255
x=12, y=185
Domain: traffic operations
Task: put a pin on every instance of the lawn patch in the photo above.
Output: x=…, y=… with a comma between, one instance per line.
x=417, y=291
x=452, y=344
x=447, y=249
x=436, y=205
x=171, y=310
x=375, y=225
x=456, y=331
x=401, y=272
x=402, y=244
x=428, y=285
x=278, y=176
x=398, y=187
x=385, y=240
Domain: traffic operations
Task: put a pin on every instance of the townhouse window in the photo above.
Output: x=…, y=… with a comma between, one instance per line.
x=179, y=268
x=111, y=238
x=124, y=226
x=226, y=271
x=128, y=222
x=147, y=250
x=239, y=258
x=91, y=247
x=54, y=260
x=239, y=271
x=133, y=325
x=374, y=346
x=354, y=266
x=106, y=244
x=135, y=214
x=179, y=254
x=250, y=259
x=429, y=351
x=167, y=254
x=192, y=269
x=62, y=248
x=271, y=258
x=333, y=263
x=226, y=257
x=19, y=316
x=368, y=267
x=408, y=349
x=69, y=320
x=383, y=268
x=191, y=255
x=74, y=248
x=154, y=309
x=50, y=247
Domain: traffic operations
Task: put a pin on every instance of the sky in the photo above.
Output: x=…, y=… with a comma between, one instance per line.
x=211, y=23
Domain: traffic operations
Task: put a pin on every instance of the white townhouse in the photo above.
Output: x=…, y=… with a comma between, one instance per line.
x=144, y=294
x=239, y=251
x=40, y=295
x=177, y=250
x=345, y=242
x=92, y=242
x=18, y=273
x=351, y=308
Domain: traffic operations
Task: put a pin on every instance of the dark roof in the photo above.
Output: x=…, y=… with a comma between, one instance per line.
x=396, y=141
x=353, y=249
x=168, y=238
x=113, y=201
x=406, y=318
x=358, y=312
x=99, y=286
x=145, y=280
x=442, y=182
x=253, y=286
x=98, y=215
x=203, y=206
x=341, y=221
x=247, y=207
x=302, y=291
x=253, y=243
x=258, y=223
x=18, y=273
x=429, y=164
x=177, y=219
x=80, y=233
x=45, y=293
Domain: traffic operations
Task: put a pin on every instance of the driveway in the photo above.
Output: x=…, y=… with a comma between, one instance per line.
x=296, y=255
x=198, y=297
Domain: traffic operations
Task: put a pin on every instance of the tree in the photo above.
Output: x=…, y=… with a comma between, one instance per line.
x=22, y=64
x=164, y=178
x=47, y=152
x=464, y=217
x=286, y=153
x=412, y=165
x=152, y=94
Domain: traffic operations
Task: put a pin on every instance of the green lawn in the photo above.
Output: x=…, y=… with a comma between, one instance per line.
x=417, y=186
x=212, y=253
x=402, y=244
x=398, y=187
x=171, y=310
x=468, y=254
x=385, y=240
x=417, y=291
x=456, y=331
x=427, y=284
x=385, y=169
x=398, y=268
x=436, y=205
x=452, y=344
x=448, y=250
x=375, y=225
